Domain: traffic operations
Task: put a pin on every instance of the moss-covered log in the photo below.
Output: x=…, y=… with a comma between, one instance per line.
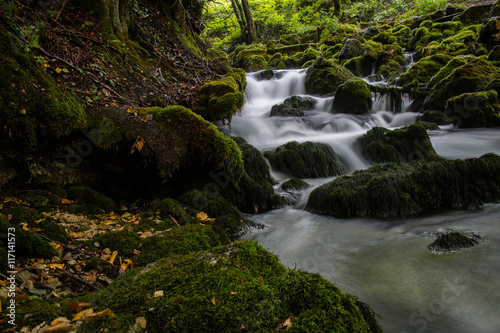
x=395, y=190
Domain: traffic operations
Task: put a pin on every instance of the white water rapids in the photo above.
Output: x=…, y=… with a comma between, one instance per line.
x=385, y=263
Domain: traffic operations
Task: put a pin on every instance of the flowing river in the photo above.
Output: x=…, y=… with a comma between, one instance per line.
x=385, y=263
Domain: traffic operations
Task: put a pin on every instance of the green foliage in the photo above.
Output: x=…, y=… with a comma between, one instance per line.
x=423, y=7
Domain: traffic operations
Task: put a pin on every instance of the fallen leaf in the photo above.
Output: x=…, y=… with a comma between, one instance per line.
x=66, y=201
x=107, y=312
x=287, y=323
x=139, y=144
x=213, y=301
x=54, y=266
x=233, y=293
x=58, y=248
x=113, y=257
x=55, y=294
x=75, y=306
x=60, y=328
x=158, y=293
x=58, y=70
x=80, y=315
x=202, y=216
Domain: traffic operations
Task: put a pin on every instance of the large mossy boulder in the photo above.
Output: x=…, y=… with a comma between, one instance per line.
x=293, y=107
x=305, y=160
x=352, y=47
x=87, y=200
x=353, y=97
x=254, y=63
x=424, y=69
x=395, y=190
x=473, y=110
x=325, y=76
x=380, y=145
x=221, y=99
x=227, y=288
x=186, y=139
x=255, y=187
x=489, y=32
x=33, y=107
x=476, y=75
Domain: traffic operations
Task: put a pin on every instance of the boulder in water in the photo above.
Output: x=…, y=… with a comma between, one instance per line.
x=476, y=75
x=294, y=184
x=353, y=97
x=424, y=69
x=473, y=110
x=293, y=107
x=454, y=242
x=351, y=48
x=435, y=116
x=266, y=74
x=305, y=160
x=325, y=76
x=394, y=190
x=380, y=145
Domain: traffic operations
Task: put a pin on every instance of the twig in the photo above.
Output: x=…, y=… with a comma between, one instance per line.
x=173, y=219
x=77, y=279
x=60, y=11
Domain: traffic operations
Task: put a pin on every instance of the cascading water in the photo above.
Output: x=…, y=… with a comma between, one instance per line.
x=386, y=264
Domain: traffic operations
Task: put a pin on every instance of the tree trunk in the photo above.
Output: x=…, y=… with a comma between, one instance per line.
x=119, y=13
x=337, y=7
x=239, y=15
x=251, y=33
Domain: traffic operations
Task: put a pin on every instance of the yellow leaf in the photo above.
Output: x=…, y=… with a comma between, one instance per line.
x=213, y=301
x=66, y=201
x=139, y=144
x=45, y=214
x=55, y=294
x=114, y=104
x=57, y=247
x=54, y=266
x=287, y=323
x=80, y=315
x=113, y=256
x=121, y=228
x=132, y=111
x=107, y=312
x=89, y=100
x=202, y=216
x=60, y=328
x=108, y=222
x=58, y=70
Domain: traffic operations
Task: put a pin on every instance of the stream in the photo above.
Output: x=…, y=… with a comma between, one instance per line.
x=384, y=263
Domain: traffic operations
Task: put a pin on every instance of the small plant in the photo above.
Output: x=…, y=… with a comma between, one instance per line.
x=423, y=7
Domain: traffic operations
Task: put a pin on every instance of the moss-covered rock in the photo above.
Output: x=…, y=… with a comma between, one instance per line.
x=435, y=116
x=266, y=74
x=454, y=241
x=32, y=106
x=424, y=69
x=124, y=241
x=254, y=63
x=221, y=99
x=28, y=245
x=89, y=201
x=353, y=96
x=255, y=188
x=171, y=207
x=293, y=107
x=352, y=47
x=184, y=240
x=446, y=70
x=393, y=190
x=477, y=75
x=305, y=160
x=190, y=140
x=294, y=184
x=477, y=109
x=325, y=76
x=236, y=285
x=380, y=145
x=289, y=39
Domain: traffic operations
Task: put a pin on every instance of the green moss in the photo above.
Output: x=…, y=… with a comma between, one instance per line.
x=477, y=75
x=52, y=230
x=305, y=160
x=254, y=63
x=221, y=99
x=124, y=241
x=193, y=140
x=171, y=207
x=310, y=55
x=289, y=39
x=380, y=145
x=20, y=213
x=325, y=76
x=424, y=69
x=294, y=184
x=473, y=110
x=397, y=190
x=446, y=70
x=89, y=201
x=255, y=189
x=435, y=116
x=426, y=24
x=248, y=286
x=353, y=96
x=28, y=245
x=184, y=240
x=32, y=106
